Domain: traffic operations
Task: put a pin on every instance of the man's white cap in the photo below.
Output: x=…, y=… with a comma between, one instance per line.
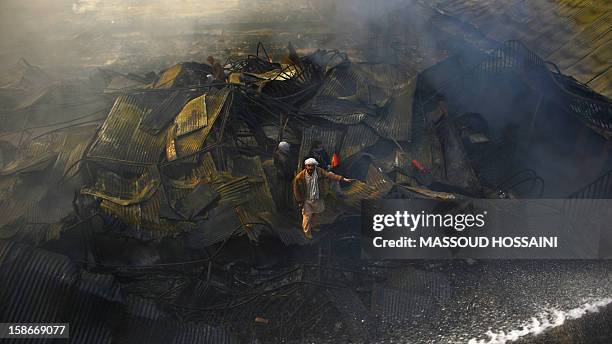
x=311, y=161
x=284, y=146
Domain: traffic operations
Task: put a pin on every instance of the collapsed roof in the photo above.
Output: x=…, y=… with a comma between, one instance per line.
x=163, y=145
x=174, y=153
x=180, y=160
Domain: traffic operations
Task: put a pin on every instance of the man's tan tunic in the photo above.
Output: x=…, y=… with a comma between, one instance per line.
x=307, y=190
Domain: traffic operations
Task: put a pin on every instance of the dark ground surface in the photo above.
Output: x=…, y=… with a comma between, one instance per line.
x=490, y=300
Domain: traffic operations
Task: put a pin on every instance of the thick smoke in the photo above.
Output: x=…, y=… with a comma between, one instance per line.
x=70, y=35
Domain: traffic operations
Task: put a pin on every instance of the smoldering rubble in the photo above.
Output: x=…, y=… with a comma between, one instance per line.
x=179, y=229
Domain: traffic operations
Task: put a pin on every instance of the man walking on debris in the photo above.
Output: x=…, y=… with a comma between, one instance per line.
x=306, y=190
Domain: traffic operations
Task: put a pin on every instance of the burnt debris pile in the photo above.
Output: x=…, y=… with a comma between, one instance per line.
x=153, y=210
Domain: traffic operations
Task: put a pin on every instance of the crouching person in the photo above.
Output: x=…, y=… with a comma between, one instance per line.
x=306, y=187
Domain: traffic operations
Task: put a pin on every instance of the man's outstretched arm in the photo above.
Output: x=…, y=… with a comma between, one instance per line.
x=336, y=177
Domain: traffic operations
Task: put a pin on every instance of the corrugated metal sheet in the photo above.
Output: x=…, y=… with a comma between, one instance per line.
x=168, y=77
x=380, y=181
x=377, y=185
x=21, y=202
x=357, y=138
x=144, y=218
x=421, y=192
x=147, y=217
x=594, y=63
x=123, y=191
x=395, y=122
x=192, y=142
x=340, y=81
x=357, y=192
x=193, y=116
x=232, y=190
x=70, y=151
x=346, y=118
x=203, y=172
x=369, y=83
x=152, y=226
x=202, y=334
x=222, y=223
x=73, y=159
x=339, y=110
x=68, y=101
x=49, y=209
x=161, y=115
x=143, y=308
x=32, y=204
x=36, y=284
x=41, y=286
x=96, y=296
x=192, y=204
x=573, y=34
x=283, y=229
x=30, y=163
x=11, y=210
x=173, y=332
x=120, y=140
x=260, y=197
x=383, y=77
x=39, y=153
x=252, y=224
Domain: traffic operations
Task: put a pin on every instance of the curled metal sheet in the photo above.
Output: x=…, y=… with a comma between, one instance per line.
x=187, y=142
x=192, y=117
x=169, y=77
x=376, y=186
x=123, y=191
x=144, y=220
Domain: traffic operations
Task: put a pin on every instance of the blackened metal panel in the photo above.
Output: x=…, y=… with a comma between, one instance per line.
x=357, y=138
x=160, y=116
x=41, y=286
x=121, y=141
x=395, y=121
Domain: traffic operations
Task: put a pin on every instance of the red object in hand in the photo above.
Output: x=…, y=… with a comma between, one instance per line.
x=335, y=161
x=418, y=165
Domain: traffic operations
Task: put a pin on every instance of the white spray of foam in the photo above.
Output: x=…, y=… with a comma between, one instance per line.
x=545, y=321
